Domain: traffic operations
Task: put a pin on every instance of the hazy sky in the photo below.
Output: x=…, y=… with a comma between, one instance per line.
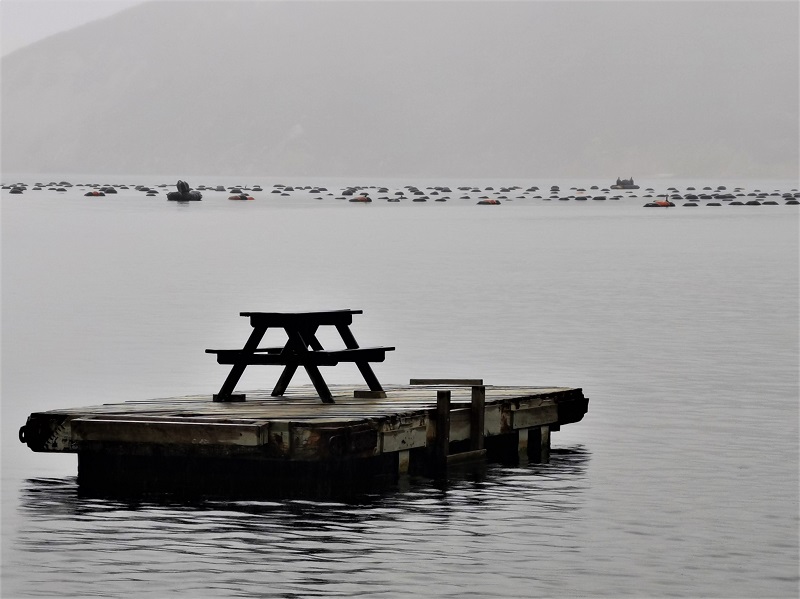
x=598, y=88
x=28, y=21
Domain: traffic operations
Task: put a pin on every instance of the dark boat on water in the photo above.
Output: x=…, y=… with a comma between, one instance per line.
x=625, y=184
x=184, y=193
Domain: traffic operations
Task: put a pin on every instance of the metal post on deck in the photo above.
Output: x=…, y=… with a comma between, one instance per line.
x=477, y=417
x=442, y=445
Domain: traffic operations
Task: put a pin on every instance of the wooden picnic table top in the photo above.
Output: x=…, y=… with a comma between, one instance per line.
x=293, y=319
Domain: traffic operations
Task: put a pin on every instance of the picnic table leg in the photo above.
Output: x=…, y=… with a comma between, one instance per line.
x=319, y=383
x=299, y=341
x=309, y=338
x=366, y=370
x=294, y=343
x=315, y=376
x=226, y=391
x=284, y=380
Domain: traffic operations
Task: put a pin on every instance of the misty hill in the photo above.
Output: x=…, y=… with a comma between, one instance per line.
x=428, y=89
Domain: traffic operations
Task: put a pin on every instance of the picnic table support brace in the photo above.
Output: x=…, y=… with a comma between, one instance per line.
x=299, y=341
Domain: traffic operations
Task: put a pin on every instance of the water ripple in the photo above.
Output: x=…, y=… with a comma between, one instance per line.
x=477, y=534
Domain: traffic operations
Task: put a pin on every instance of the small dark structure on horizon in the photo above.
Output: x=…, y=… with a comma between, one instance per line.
x=624, y=184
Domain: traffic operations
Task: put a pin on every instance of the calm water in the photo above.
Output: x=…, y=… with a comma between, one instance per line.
x=681, y=325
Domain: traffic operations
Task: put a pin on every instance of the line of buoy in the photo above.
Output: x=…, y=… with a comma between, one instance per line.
x=488, y=195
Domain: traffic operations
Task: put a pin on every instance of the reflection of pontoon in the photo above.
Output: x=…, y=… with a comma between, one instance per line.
x=625, y=184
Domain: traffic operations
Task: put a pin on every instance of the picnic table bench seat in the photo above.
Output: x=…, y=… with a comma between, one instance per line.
x=276, y=356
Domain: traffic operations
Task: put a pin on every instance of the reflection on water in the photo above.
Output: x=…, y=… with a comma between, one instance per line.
x=479, y=533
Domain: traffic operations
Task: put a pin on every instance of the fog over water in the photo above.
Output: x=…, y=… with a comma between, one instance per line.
x=25, y=22
x=423, y=89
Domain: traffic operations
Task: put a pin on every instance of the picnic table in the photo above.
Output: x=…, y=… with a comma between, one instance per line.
x=302, y=348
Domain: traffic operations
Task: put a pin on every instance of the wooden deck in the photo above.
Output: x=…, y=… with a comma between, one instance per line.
x=270, y=441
